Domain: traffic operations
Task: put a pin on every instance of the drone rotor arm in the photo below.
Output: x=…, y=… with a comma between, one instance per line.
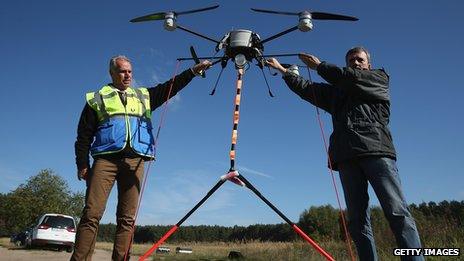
x=201, y=58
x=280, y=55
x=197, y=34
x=287, y=65
x=279, y=34
x=217, y=61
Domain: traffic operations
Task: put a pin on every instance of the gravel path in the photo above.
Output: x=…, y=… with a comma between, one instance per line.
x=17, y=254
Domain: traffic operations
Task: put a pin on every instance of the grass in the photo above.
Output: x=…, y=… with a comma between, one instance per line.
x=275, y=250
x=220, y=251
x=5, y=242
x=266, y=250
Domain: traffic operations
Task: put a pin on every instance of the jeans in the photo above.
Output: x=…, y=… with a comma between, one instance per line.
x=382, y=174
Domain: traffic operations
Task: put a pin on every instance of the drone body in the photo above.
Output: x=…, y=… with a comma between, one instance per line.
x=242, y=45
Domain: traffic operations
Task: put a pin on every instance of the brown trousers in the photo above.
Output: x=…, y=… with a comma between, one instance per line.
x=128, y=173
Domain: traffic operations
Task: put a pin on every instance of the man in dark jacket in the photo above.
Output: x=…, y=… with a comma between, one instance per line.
x=115, y=127
x=361, y=146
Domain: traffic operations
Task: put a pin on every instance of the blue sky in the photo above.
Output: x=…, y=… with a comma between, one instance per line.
x=53, y=52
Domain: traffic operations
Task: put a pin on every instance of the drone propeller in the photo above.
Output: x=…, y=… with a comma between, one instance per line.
x=314, y=15
x=305, y=20
x=273, y=12
x=170, y=20
x=162, y=15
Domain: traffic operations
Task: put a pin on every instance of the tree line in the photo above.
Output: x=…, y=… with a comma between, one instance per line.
x=322, y=223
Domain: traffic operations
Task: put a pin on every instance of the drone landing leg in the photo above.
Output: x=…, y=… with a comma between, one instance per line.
x=217, y=81
x=238, y=179
x=178, y=224
x=267, y=83
x=293, y=225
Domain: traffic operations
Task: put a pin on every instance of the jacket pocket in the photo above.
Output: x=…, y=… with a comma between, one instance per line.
x=366, y=137
x=105, y=134
x=145, y=132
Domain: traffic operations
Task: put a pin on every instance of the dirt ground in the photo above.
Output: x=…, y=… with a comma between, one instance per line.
x=19, y=253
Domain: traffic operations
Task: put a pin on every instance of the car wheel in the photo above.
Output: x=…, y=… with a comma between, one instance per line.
x=29, y=243
x=69, y=249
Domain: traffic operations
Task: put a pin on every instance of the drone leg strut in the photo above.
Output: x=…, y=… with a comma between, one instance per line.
x=235, y=177
x=178, y=224
x=267, y=83
x=257, y=193
x=217, y=81
x=293, y=225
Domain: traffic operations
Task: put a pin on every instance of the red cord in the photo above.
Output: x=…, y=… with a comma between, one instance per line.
x=147, y=171
x=321, y=126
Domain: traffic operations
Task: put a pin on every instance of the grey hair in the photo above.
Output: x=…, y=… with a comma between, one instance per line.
x=358, y=49
x=114, y=59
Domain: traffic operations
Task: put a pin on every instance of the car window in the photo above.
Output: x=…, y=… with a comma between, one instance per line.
x=58, y=222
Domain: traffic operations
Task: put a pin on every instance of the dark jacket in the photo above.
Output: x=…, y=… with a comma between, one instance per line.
x=359, y=103
x=88, y=122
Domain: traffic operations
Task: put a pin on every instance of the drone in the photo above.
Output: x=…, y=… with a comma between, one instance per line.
x=241, y=46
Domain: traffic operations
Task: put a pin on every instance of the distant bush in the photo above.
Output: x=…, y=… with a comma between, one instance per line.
x=45, y=192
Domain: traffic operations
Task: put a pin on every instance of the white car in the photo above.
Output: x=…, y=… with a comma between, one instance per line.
x=54, y=230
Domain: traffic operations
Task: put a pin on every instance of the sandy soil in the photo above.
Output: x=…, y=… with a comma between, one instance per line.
x=19, y=253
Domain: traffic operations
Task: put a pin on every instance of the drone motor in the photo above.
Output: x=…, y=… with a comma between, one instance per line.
x=305, y=23
x=170, y=21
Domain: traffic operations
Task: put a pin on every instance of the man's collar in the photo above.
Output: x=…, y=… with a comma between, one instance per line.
x=116, y=89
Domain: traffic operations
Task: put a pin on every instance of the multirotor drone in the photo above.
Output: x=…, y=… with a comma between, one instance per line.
x=242, y=46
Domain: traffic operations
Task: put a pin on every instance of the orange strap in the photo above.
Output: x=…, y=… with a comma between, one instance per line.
x=236, y=118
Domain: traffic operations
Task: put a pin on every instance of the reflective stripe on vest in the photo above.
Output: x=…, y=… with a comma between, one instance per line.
x=119, y=124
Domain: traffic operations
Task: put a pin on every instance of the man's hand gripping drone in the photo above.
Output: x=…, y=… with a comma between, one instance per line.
x=242, y=47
